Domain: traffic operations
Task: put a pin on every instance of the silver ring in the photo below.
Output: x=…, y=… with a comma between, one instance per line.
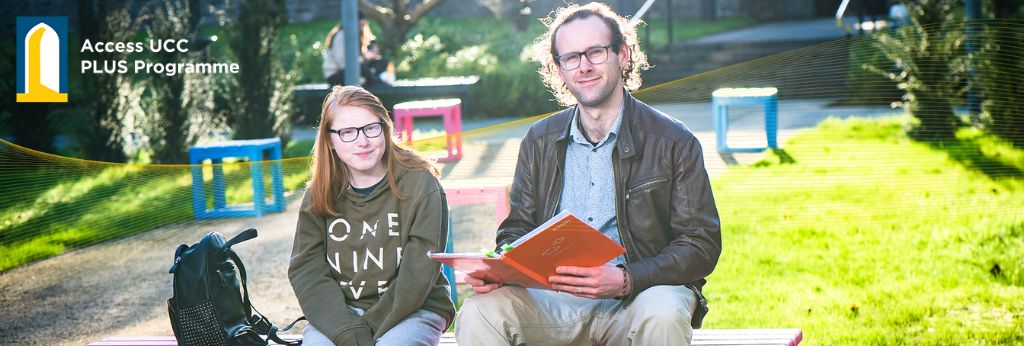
x=579, y=290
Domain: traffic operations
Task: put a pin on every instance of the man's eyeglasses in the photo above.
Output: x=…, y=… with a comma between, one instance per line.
x=348, y=134
x=571, y=61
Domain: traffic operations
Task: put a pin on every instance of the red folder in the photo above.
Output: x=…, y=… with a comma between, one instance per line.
x=562, y=241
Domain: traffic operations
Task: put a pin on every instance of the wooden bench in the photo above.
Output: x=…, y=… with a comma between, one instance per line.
x=310, y=97
x=701, y=337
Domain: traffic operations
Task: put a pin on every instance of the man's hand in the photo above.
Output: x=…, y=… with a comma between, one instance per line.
x=481, y=286
x=589, y=282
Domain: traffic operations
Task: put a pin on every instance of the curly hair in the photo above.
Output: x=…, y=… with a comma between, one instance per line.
x=623, y=32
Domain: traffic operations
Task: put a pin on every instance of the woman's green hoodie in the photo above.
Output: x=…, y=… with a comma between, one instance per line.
x=372, y=256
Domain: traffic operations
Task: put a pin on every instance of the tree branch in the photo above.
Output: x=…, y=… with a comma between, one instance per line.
x=381, y=15
x=422, y=10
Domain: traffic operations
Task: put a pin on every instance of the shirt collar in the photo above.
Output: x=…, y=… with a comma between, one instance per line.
x=576, y=133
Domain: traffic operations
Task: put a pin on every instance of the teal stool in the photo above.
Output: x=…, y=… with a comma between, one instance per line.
x=252, y=150
x=721, y=99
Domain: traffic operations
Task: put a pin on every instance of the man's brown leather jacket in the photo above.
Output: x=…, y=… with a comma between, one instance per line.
x=666, y=214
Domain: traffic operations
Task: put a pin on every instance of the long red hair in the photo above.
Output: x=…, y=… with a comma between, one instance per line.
x=330, y=176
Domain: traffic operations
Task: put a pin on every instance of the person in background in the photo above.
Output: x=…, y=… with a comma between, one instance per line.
x=371, y=213
x=374, y=67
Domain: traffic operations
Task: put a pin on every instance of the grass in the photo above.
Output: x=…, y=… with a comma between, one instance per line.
x=61, y=204
x=870, y=238
x=685, y=29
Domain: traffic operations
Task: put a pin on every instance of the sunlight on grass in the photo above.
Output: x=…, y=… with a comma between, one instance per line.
x=110, y=201
x=872, y=238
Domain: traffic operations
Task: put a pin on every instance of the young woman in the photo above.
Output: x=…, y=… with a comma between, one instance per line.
x=371, y=213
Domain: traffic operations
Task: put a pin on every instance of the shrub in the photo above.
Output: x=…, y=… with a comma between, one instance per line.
x=929, y=55
x=509, y=85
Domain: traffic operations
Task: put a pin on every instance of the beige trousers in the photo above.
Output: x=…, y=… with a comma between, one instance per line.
x=659, y=315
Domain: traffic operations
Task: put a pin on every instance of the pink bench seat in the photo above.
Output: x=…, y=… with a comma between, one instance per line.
x=708, y=337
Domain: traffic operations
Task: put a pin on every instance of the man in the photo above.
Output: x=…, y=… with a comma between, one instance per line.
x=630, y=171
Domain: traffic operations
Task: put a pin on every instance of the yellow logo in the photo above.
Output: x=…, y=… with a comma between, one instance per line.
x=42, y=59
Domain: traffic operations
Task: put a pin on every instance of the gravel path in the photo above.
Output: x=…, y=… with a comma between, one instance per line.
x=121, y=287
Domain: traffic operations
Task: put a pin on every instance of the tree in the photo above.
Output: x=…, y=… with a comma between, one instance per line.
x=1000, y=64
x=932, y=66
x=255, y=112
x=396, y=21
x=99, y=134
x=174, y=101
x=518, y=11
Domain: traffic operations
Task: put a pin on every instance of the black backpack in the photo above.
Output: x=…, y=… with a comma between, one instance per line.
x=209, y=307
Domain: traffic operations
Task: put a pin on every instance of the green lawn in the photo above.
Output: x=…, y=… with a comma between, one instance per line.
x=58, y=204
x=870, y=238
x=54, y=204
x=685, y=29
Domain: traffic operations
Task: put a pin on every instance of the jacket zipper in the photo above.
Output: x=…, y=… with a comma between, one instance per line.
x=643, y=186
x=559, y=184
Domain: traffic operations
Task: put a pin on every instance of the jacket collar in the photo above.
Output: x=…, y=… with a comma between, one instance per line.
x=624, y=144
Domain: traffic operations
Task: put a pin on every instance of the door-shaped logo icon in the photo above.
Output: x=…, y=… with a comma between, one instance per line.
x=42, y=59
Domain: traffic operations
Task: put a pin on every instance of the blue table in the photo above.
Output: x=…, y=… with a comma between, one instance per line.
x=721, y=99
x=253, y=151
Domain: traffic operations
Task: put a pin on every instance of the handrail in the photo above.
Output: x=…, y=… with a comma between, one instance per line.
x=641, y=12
x=840, y=12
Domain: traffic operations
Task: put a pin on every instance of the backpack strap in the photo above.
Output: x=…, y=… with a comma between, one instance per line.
x=245, y=235
x=241, y=271
x=259, y=322
x=263, y=325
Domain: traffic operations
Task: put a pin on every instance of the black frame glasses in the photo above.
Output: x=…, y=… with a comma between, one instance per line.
x=595, y=55
x=365, y=129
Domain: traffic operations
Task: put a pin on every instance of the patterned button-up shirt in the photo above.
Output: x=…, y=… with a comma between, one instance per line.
x=589, y=187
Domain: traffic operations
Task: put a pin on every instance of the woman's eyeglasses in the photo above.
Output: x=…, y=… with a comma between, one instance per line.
x=348, y=134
